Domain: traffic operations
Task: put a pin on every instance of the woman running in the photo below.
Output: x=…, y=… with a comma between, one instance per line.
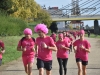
x=53, y=35
x=2, y=51
x=81, y=48
x=26, y=45
x=44, y=47
x=62, y=54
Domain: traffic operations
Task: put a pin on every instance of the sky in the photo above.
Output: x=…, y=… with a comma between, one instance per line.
x=62, y=3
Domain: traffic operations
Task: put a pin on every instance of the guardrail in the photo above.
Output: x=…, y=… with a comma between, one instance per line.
x=75, y=16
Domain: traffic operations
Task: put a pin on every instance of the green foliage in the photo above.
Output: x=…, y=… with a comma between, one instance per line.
x=11, y=26
x=6, y=5
x=44, y=17
x=27, y=10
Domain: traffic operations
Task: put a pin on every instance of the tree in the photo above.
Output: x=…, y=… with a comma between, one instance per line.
x=26, y=10
x=87, y=27
x=6, y=5
x=53, y=27
x=44, y=17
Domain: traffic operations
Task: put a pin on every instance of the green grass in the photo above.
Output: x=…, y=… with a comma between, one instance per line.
x=11, y=52
x=93, y=36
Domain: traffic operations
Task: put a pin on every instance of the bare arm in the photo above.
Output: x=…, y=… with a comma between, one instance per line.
x=19, y=49
x=52, y=48
x=74, y=49
x=66, y=48
x=36, y=49
x=87, y=50
x=2, y=51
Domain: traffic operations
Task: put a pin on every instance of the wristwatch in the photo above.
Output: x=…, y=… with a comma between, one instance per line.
x=47, y=47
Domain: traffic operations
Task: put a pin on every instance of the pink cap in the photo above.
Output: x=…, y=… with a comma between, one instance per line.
x=27, y=31
x=60, y=35
x=82, y=32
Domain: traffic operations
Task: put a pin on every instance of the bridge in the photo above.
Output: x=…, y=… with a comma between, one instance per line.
x=75, y=13
x=80, y=17
x=77, y=10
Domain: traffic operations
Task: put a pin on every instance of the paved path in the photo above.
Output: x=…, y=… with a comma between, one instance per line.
x=16, y=67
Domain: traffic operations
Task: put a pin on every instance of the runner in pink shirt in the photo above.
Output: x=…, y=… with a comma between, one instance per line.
x=26, y=45
x=66, y=38
x=2, y=51
x=81, y=48
x=62, y=54
x=53, y=35
x=71, y=43
x=44, y=47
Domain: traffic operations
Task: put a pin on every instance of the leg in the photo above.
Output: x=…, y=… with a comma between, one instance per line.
x=84, y=69
x=41, y=71
x=25, y=64
x=48, y=72
x=71, y=48
x=84, y=63
x=48, y=67
x=30, y=68
x=40, y=66
x=60, y=66
x=65, y=65
x=0, y=62
x=26, y=68
x=79, y=65
x=30, y=64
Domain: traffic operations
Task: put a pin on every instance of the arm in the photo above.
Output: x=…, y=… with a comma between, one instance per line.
x=2, y=51
x=52, y=48
x=2, y=48
x=36, y=50
x=87, y=49
x=67, y=48
x=74, y=49
x=19, y=49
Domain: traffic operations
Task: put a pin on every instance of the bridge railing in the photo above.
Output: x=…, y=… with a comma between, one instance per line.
x=74, y=16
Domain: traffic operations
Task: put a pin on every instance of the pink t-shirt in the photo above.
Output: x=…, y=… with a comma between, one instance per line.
x=71, y=40
x=67, y=40
x=1, y=46
x=43, y=53
x=28, y=44
x=80, y=53
x=53, y=37
x=61, y=52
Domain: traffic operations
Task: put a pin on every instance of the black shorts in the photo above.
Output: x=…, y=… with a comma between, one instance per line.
x=0, y=62
x=44, y=64
x=83, y=62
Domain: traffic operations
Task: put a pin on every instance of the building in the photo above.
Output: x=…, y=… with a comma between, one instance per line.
x=56, y=12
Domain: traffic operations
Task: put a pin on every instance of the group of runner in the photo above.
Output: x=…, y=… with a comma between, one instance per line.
x=43, y=45
x=68, y=40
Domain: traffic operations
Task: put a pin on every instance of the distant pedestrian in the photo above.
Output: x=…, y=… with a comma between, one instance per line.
x=81, y=48
x=2, y=51
x=88, y=33
x=26, y=45
x=44, y=47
